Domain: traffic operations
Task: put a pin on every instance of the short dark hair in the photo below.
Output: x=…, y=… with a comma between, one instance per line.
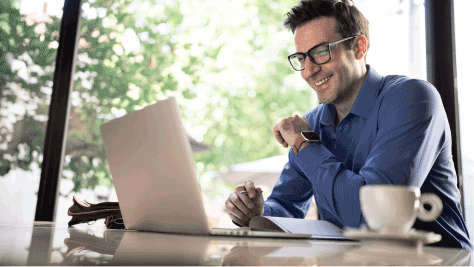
x=350, y=20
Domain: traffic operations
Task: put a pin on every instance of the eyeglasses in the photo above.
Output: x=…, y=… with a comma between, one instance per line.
x=319, y=54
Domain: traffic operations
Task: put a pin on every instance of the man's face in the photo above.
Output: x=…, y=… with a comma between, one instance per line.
x=335, y=82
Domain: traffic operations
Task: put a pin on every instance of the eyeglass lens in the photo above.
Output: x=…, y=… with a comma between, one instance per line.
x=319, y=54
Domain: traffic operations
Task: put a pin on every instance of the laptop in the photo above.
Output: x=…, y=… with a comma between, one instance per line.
x=152, y=167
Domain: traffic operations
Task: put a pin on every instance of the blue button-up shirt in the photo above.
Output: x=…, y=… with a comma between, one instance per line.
x=396, y=133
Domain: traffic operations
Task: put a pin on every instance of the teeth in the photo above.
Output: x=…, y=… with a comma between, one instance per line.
x=322, y=81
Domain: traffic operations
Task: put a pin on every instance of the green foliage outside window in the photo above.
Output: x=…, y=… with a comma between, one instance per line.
x=225, y=61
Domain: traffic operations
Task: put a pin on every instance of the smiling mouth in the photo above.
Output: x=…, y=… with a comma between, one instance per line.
x=320, y=82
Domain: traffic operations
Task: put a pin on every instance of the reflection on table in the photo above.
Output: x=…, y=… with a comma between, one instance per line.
x=49, y=244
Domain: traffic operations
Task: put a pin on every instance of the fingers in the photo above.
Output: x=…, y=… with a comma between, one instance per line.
x=237, y=208
x=253, y=198
x=287, y=129
x=243, y=207
x=252, y=191
x=284, y=129
x=250, y=188
x=278, y=136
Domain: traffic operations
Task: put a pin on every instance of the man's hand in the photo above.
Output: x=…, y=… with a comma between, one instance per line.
x=242, y=255
x=240, y=207
x=288, y=129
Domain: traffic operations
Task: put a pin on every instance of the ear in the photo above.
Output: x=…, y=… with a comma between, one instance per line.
x=360, y=47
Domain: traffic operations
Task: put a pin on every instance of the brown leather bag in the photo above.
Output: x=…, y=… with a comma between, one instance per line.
x=84, y=212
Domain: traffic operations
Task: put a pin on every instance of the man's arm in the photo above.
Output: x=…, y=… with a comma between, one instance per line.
x=291, y=196
x=412, y=128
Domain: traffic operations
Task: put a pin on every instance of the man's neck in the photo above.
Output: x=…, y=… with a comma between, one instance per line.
x=342, y=109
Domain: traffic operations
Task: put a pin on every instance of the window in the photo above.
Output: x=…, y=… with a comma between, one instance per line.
x=29, y=33
x=397, y=36
x=225, y=62
x=464, y=60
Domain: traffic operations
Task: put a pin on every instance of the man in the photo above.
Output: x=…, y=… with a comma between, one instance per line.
x=372, y=130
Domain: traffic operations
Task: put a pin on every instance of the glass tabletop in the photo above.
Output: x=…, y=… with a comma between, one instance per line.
x=51, y=244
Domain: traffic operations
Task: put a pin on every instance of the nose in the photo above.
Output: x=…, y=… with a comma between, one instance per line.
x=309, y=69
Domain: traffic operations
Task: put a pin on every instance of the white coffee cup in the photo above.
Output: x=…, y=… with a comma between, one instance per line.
x=394, y=208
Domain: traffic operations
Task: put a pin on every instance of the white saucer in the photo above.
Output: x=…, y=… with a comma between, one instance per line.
x=412, y=238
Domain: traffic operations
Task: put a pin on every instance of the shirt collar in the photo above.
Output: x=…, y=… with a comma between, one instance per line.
x=328, y=115
x=364, y=102
x=367, y=98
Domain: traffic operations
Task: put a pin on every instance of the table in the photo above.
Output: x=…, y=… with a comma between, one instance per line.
x=42, y=243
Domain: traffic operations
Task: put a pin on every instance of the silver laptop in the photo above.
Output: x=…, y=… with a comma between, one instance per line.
x=152, y=167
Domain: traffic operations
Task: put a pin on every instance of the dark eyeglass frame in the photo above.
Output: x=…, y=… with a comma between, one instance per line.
x=307, y=54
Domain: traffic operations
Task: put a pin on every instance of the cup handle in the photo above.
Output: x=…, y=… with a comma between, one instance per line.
x=436, y=207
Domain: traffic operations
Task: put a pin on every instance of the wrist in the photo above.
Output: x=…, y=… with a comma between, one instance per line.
x=304, y=139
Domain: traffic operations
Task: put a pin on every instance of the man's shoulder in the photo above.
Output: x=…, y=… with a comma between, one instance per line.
x=400, y=84
x=402, y=96
x=397, y=88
